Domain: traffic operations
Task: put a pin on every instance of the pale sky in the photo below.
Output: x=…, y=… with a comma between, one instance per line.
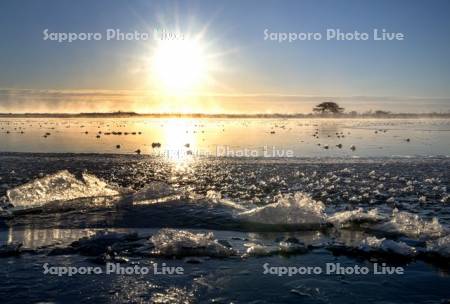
x=231, y=67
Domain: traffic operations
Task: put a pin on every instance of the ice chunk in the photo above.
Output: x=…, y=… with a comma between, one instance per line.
x=153, y=190
x=61, y=186
x=180, y=243
x=213, y=195
x=286, y=247
x=215, y=198
x=289, y=209
x=371, y=246
x=372, y=243
x=357, y=216
x=257, y=250
x=440, y=246
x=422, y=199
x=412, y=225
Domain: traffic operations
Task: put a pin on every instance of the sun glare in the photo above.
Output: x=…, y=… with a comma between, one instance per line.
x=179, y=66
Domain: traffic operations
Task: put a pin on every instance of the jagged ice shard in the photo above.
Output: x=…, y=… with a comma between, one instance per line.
x=61, y=186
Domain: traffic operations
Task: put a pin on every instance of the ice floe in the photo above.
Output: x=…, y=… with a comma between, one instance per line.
x=258, y=250
x=372, y=243
x=440, y=246
x=288, y=246
x=180, y=243
x=372, y=246
x=292, y=246
x=411, y=225
x=215, y=199
x=153, y=190
x=296, y=209
x=357, y=216
x=61, y=186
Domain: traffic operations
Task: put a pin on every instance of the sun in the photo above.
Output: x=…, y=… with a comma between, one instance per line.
x=180, y=66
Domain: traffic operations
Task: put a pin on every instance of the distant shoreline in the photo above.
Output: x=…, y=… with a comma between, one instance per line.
x=203, y=115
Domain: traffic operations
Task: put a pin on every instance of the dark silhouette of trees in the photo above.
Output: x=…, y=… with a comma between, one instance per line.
x=382, y=113
x=328, y=107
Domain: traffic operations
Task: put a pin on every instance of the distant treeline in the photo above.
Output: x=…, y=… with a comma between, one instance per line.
x=377, y=114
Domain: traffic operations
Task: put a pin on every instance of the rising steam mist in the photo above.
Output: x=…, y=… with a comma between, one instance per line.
x=59, y=101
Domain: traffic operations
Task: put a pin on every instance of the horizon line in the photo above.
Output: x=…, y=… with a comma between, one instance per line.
x=377, y=113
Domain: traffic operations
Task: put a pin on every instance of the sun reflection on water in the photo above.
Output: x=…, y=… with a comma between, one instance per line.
x=179, y=140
